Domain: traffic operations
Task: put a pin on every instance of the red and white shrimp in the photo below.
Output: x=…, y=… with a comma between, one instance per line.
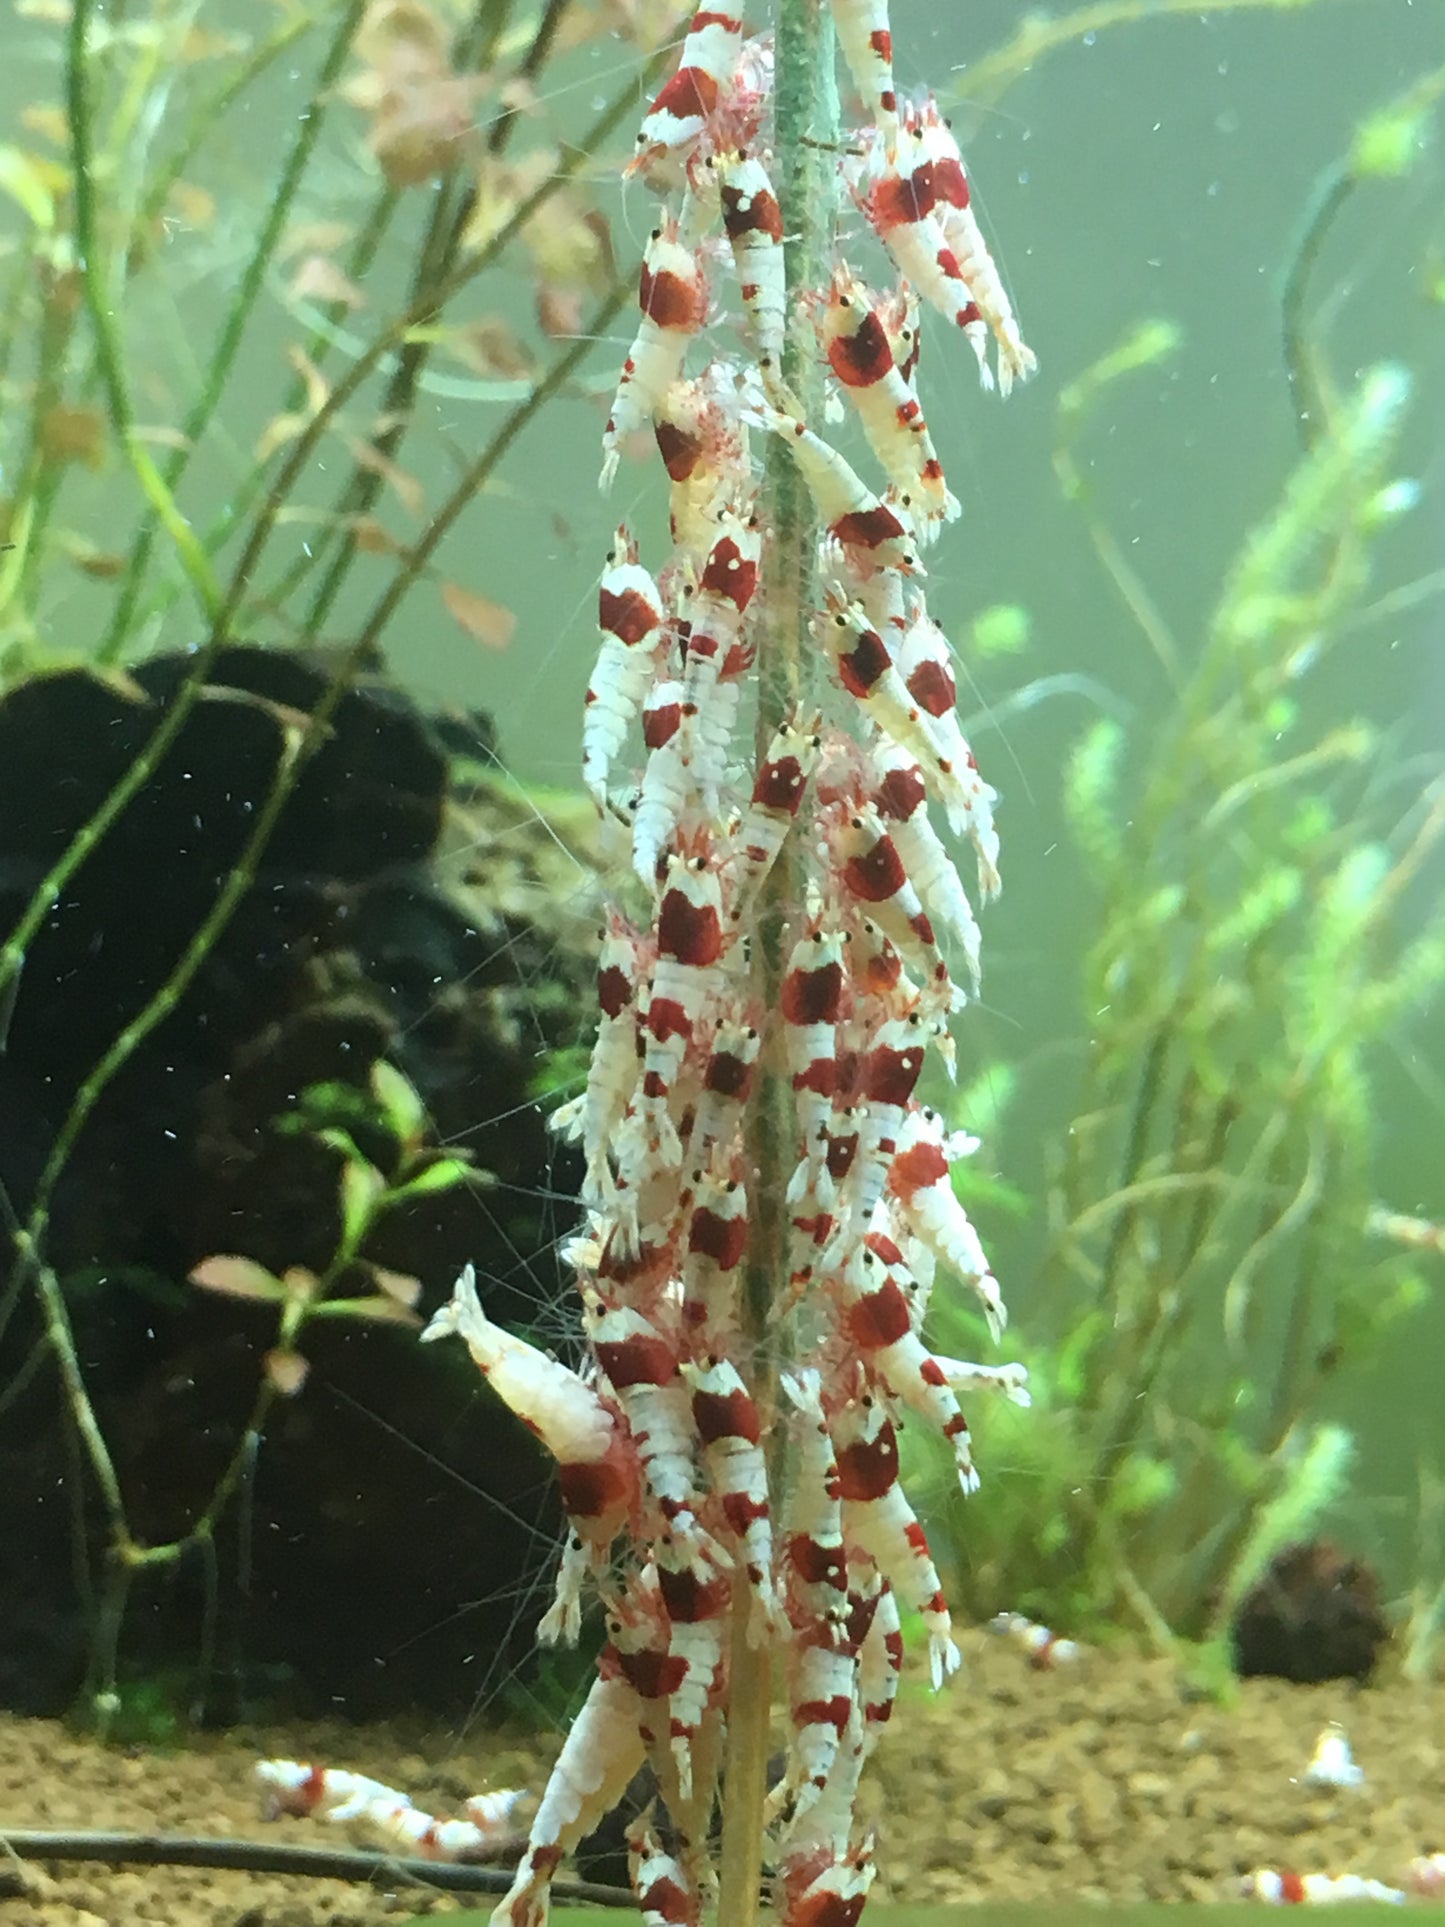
x=810, y=1002
x=822, y=1701
x=639, y=1365
x=902, y=799
x=696, y=1595
x=703, y=443
x=602, y=1751
x=877, y=1320
x=867, y=44
x=1043, y=1647
x=830, y=1894
x=878, y=1519
x=871, y=870
x=754, y=228
x=778, y=790
x=856, y=344
x=925, y=663
x=718, y=722
x=715, y=612
x=730, y=1433
x=880, y=1662
x=717, y=1238
x=1016, y=360
x=663, y=795
x=866, y=670
x=597, y=1463
x=727, y=1083
x=922, y=1192
x=897, y=195
x=613, y=1068
x=680, y=114
x=887, y=1075
x=630, y=616
x=667, y=1895
x=814, y=1561
x=690, y=940
x=871, y=533
x=673, y=296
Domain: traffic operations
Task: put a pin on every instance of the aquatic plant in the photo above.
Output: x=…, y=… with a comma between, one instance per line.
x=768, y=1200
x=1217, y=1256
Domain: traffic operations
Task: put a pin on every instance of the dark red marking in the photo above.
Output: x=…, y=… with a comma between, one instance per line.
x=653, y=1675
x=863, y=357
x=724, y=1240
x=780, y=785
x=861, y=668
x=877, y=1318
x=690, y=932
x=830, y=1712
x=890, y=1075
x=916, y=1168
x=667, y=1018
x=878, y=874
x=868, y=528
x=813, y=996
x=592, y=1490
x=637, y=1361
x=901, y=792
x=680, y=451
x=728, y=1075
x=661, y=724
x=932, y=687
x=726, y=1415
x=691, y=94
x=614, y=990
x=868, y=1469
x=688, y=1599
x=898, y=200
x=817, y=1564
x=671, y=301
x=629, y=616
x=730, y=574
x=756, y=213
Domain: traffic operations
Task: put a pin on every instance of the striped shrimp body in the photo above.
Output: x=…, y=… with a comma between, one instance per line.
x=754, y=228
x=925, y=663
x=717, y=1239
x=865, y=668
x=871, y=533
x=715, y=616
x=689, y=949
x=612, y=1072
x=602, y=1751
x=663, y=795
x=730, y=1432
x=877, y=1319
x=782, y=779
x=901, y=796
x=872, y=872
x=922, y=1193
x=680, y=115
x=673, y=297
x=697, y=1597
x=667, y=1895
x=1016, y=360
x=630, y=617
x=856, y=344
x=867, y=45
x=878, y=1519
x=811, y=1005
x=640, y=1366
x=888, y=1073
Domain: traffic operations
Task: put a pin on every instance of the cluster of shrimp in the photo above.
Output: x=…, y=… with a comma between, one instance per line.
x=668, y=1440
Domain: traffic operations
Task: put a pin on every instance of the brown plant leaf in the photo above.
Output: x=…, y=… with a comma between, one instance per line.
x=72, y=434
x=485, y=622
x=236, y=1277
x=319, y=279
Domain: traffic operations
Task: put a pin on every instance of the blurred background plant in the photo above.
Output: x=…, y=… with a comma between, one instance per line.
x=1268, y=928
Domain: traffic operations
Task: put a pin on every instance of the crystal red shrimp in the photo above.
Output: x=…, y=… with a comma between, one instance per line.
x=867, y=671
x=822, y=1683
x=1016, y=360
x=672, y=295
x=870, y=532
x=754, y=227
x=630, y=617
x=696, y=1595
x=704, y=447
x=856, y=344
x=778, y=790
x=880, y=1663
x=922, y=1192
x=810, y=1002
x=667, y=1896
x=690, y=939
x=682, y=110
x=834, y=1895
x=597, y=1465
x=719, y=723
x=612, y=1070
x=897, y=196
x=639, y=1366
x=813, y=1557
x=717, y=1238
x=867, y=44
x=872, y=872
x=901, y=796
x=877, y=1320
x=888, y=1073
x=878, y=1518
x=663, y=796
x=715, y=613
x=925, y=663
x=602, y=1751
x=730, y=1433
x=726, y=1085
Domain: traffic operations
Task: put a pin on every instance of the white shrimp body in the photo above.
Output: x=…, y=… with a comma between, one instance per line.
x=730, y=1433
x=880, y=1664
x=888, y=1072
x=858, y=350
x=925, y=664
x=878, y=1519
x=902, y=797
x=602, y=1751
x=811, y=1001
x=814, y=1560
x=640, y=1366
x=673, y=297
x=922, y=1194
x=877, y=1320
x=1016, y=360
x=867, y=46
x=612, y=1071
x=783, y=775
x=667, y=1895
x=566, y=1414
x=822, y=1682
x=630, y=617
x=871, y=533
x=727, y=1081
x=717, y=1237
x=689, y=949
x=682, y=111
x=663, y=795
x=755, y=233
x=715, y=617
x=872, y=872
x=1011, y=1380
x=696, y=1594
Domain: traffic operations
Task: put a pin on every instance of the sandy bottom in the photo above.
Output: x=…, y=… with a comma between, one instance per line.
x=1097, y=1781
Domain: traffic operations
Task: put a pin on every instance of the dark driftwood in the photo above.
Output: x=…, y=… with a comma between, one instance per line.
x=254, y=1856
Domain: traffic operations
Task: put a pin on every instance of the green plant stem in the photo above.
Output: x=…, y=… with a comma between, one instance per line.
x=805, y=138
x=102, y=304
x=237, y=320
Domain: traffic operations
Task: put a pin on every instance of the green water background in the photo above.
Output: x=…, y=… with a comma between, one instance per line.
x=1162, y=170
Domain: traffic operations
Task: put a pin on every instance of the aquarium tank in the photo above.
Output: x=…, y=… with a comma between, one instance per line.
x=736, y=710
